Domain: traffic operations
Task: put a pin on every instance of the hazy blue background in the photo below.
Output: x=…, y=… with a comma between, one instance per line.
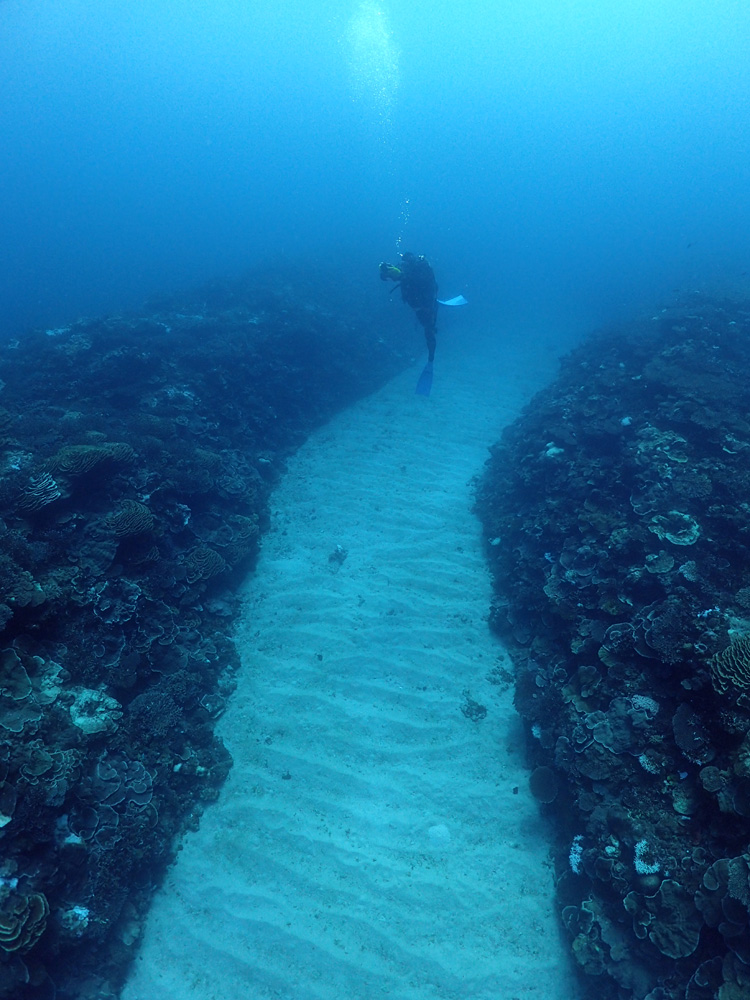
x=563, y=160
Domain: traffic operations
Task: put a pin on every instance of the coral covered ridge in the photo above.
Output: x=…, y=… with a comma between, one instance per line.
x=138, y=454
x=618, y=527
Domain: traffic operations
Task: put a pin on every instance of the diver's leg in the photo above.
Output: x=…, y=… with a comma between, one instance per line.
x=429, y=334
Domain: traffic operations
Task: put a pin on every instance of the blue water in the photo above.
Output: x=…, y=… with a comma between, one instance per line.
x=570, y=161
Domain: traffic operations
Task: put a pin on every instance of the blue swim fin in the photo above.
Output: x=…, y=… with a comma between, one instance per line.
x=458, y=300
x=425, y=380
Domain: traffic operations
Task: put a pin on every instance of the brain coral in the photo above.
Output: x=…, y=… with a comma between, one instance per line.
x=76, y=459
x=131, y=518
x=40, y=491
x=22, y=919
x=730, y=669
x=201, y=563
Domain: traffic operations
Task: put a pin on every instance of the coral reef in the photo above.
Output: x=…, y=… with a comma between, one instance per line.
x=138, y=454
x=618, y=532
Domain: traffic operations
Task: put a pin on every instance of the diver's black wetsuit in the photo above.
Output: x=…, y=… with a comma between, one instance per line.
x=418, y=290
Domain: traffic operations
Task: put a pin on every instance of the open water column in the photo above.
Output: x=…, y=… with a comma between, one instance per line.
x=376, y=836
x=372, y=58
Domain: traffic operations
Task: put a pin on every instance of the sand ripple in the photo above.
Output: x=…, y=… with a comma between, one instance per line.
x=372, y=839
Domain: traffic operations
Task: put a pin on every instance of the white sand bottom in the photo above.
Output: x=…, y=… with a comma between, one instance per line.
x=372, y=840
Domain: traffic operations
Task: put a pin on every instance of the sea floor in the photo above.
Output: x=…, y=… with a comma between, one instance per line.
x=376, y=837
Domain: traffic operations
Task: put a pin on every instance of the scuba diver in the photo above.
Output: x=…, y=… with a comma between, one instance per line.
x=416, y=279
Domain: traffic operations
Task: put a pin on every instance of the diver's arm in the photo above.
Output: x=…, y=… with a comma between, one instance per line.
x=389, y=272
